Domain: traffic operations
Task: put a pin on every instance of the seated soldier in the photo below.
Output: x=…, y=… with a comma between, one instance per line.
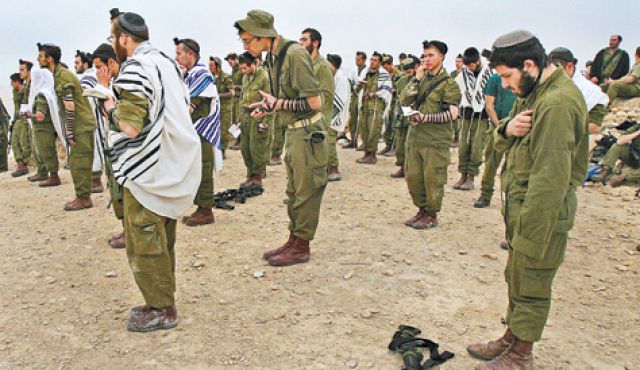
x=627, y=86
x=628, y=151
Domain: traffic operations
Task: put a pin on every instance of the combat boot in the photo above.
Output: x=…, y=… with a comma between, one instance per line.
x=257, y=179
x=415, y=218
x=52, y=180
x=284, y=247
x=20, y=171
x=517, y=357
x=334, y=174
x=38, y=177
x=350, y=145
x=364, y=158
x=468, y=183
x=490, y=350
x=615, y=181
x=96, y=186
x=117, y=241
x=603, y=176
x=275, y=161
x=399, y=174
x=146, y=320
x=482, y=202
x=384, y=150
x=78, y=204
x=297, y=253
x=428, y=221
x=391, y=153
x=368, y=159
x=463, y=178
x=202, y=216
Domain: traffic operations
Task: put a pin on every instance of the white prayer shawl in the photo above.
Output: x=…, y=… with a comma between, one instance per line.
x=42, y=83
x=89, y=80
x=341, y=101
x=162, y=165
x=201, y=83
x=593, y=95
x=472, y=87
x=385, y=90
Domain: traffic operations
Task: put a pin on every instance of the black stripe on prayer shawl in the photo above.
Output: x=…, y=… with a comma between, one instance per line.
x=141, y=161
x=145, y=170
x=148, y=90
x=131, y=144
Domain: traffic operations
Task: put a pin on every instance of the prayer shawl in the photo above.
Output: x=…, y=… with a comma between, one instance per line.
x=42, y=83
x=341, y=101
x=88, y=80
x=472, y=87
x=593, y=95
x=162, y=165
x=202, y=84
x=385, y=90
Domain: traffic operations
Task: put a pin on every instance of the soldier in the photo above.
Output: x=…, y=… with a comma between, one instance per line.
x=236, y=76
x=361, y=58
x=610, y=63
x=375, y=91
x=499, y=102
x=402, y=123
x=312, y=40
x=340, y=105
x=204, y=109
x=435, y=96
x=547, y=141
x=389, y=149
x=79, y=124
x=255, y=138
x=4, y=144
x=296, y=96
x=627, y=149
x=626, y=87
x=155, y=152
x=226, y=92
x=457, y=123
x=458, y=64
x=472, y=80
x=20, y=132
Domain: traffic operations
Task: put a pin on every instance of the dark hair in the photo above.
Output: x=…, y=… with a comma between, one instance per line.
x=459, y=56
x=376, y=54
x=190, y=44
x=84, y=58
x=52, y=51
x=246, y=58
x=335, y=60
x=619, y=38
x=638, y=51
x=402, y=56
x=26, y=63
x=15, y=77
x=471, y=55
x=439, y=45
x=514, y=56
x=361, y=54
x=314, y=35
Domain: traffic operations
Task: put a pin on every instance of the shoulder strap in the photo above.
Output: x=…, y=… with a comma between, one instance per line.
x=610, y=59
x=275, y=90
x=429, y=90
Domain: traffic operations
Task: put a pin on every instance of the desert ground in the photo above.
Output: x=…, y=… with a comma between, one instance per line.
x=65, y=295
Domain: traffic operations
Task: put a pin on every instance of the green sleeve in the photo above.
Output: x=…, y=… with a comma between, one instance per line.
x=40, y=104
x=132, y=109
x=202, y=107
x=452, y=95
x=301, y=74
x=635, y=71
x=596, y=114
x=409, y=93
x=550, y=153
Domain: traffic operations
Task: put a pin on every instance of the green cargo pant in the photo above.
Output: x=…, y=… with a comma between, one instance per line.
x=45, y=142
x=81, y=162
x=353, y=118
x=306, y=157
x=389, y=130
x=621, y=152
x=622, y=90
x=401, y=140
x=150, y=240
x=455, y=124
x=254, y=145
x=21, y=141
x=4, y=143
x=277, y=144
x=492, y=159
x=529, y=279
x=115, y=190
x=226, y=114
x=41, y=168
x=370, y=129
x=426, y=174
x=472, y=141
x=332, y=138
x=204, y=196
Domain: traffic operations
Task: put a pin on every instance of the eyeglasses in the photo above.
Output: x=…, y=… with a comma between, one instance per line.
x=247, y=42
x=110, y=38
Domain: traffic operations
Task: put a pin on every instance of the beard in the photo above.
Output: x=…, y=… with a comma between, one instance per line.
x=310, y=48
x=121, y=53
x=527, y=84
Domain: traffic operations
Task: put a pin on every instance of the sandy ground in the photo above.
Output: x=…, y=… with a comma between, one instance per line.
x=64, y=295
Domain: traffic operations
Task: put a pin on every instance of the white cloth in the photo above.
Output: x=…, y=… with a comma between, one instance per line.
x=42, y=83
x=89, y=80
x=593, y=95
x=341, y=101
x=162, y=165
x=385, y=90
x=472, y=87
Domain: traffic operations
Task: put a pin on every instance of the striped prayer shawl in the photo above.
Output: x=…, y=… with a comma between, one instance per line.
x=385, y=90
x=88, y=80
x=341, y=101
x=201, y=83
x=162, y=165
x=473, y=88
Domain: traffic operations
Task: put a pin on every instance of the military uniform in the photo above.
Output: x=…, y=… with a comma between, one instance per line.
x=204, y=196
x=353, y=112
x=21, y=132
x=277, y=144
x=624, y=90
x=255, y=132
x=543, y=170
x=67, y=87
x=236, y=77
x=401, y=123
x=4, y=128
x=371, y=113
x=45, y=135
x=427, y=150
x=324, y=74
x=224, y=84
x=389, y=130
x=629, y=154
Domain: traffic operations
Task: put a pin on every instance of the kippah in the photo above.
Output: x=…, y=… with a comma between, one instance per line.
x=512, y=39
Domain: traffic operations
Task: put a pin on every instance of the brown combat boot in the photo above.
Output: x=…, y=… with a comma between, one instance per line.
x=384, y=150
x=334, y=174
x=297, y=253
x=615, y=181
x=96, y=186
x=517, y=357
x=38, y=177
x=257, y=179
x=428, y=221
x=275, y=161
x=202, y=216
x=20, y=171
x=490, y=350
x=78, y=204
x=468, y=183
x=399, y=174
x=605, y=173
x=369, y=158
x=463, y=178
x=350, y=145
x=415, y=218
x=391, y=153
x=284, y=247
x=52, y=180
x=360, y=148
x=117, y=241
x=146, y=320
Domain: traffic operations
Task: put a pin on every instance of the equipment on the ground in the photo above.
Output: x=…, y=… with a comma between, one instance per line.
x=406, y=342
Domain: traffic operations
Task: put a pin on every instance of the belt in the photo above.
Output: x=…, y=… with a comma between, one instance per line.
x=305, y=122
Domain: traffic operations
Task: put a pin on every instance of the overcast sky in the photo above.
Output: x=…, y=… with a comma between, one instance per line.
x=346, y=26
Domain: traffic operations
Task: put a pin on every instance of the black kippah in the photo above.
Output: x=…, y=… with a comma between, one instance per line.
x=131, y=23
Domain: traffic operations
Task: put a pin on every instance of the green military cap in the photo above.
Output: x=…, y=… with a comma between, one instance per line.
x=387, y=59
x=258, y=23
x=408, y=63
